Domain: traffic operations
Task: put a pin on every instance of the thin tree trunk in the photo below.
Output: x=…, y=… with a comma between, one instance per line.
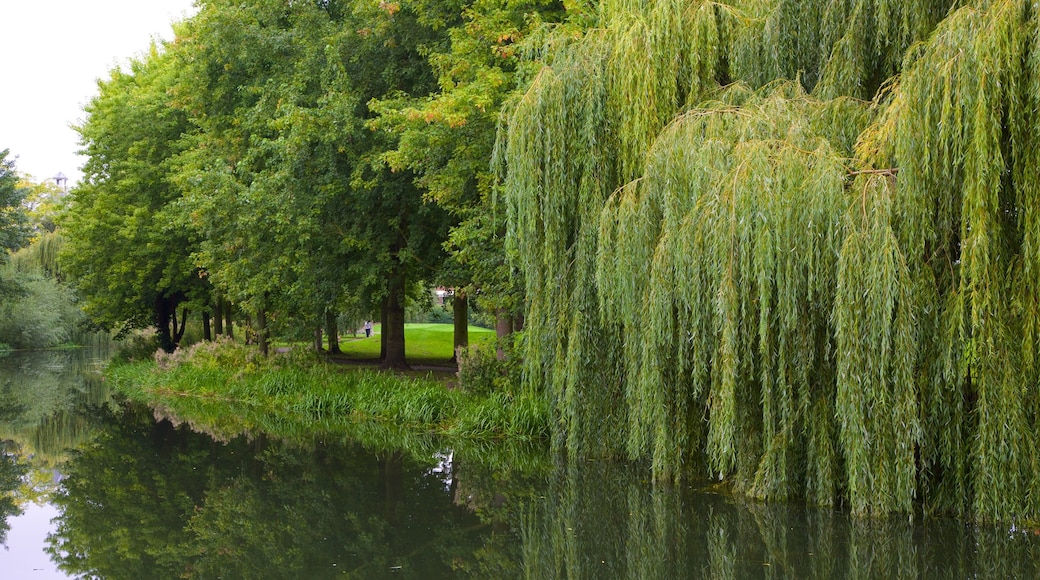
x=382, y=326
x=460, y=309
x=184, y=324
x=332, y=329
x=207, y=331
x=503, y=329
x=218, y=316
x=317, y=339
x=261, y=332
x=229, y=320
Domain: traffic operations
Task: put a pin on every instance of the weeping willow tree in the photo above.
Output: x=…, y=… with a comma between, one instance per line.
x=792, y=245
x=41, y=256
x=581, y=130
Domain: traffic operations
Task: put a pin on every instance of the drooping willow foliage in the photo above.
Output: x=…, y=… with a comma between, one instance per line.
x=40, y=257
x=792, y=244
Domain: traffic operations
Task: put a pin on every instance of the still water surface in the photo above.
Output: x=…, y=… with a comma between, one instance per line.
x=93, y=487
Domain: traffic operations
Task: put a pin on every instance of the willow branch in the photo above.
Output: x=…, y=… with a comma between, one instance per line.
x=886, y=171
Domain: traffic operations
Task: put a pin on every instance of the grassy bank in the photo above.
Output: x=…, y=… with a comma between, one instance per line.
x=228, y=390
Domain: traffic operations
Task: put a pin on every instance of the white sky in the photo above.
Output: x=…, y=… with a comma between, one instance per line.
x=52, y=52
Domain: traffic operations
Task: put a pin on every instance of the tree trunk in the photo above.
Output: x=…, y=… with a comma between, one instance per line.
x=229, y=321
x=261, y=332
x=393, y=329
x=163, y=314
x=382, y=334
x=317, y=339
x=179, y=331
x=503, y=329
x=332, y=328
x=460, y=309
x=207, y=332
x=218, y=316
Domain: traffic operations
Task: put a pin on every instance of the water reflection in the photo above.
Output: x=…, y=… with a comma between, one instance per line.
x=11, y=473
x=43, y=396
x=144, y=497
x=601, y=522
x=147, y=499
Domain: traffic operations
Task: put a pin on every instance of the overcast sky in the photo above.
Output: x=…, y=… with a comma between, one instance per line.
x=51, y=55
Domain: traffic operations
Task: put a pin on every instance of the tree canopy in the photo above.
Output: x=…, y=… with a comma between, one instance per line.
x=790, y=244
x=795, y=246
x=265, y=187
x=13, y=219
x=124, y=249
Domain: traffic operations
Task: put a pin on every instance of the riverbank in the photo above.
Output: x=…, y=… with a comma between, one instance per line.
x=227, y=389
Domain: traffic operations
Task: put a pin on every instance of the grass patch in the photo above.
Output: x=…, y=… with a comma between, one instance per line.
x=424, y=343
x=226, y=390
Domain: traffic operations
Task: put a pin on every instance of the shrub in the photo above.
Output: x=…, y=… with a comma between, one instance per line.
x=137, y=346
x=482, y=373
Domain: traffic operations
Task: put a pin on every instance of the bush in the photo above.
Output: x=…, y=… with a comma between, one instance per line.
x=429, y=314
x=137, y=346
x=43, y=315
x=482, y=373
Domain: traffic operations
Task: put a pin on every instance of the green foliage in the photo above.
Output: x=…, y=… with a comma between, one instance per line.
x=14, y=223
x=136, y=346
x=44, y=312
x=774, y=281
x=482, y=372
x=295, y=211
x=428, y=314
x=44, y=316
x=246, y=390
x=447, y=137
x=127, y=256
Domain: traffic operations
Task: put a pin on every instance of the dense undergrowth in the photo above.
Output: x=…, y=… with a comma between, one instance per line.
x=227, y=389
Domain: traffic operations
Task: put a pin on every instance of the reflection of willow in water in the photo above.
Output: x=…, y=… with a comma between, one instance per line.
x=602, y=522
x=43, y=398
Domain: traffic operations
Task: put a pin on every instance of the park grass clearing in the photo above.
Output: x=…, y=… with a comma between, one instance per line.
x=425, y=344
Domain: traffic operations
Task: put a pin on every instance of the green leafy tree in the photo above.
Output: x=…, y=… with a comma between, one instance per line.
x=13, y=219
x=43, y=203
x=128, y=256
x=285, y=183
x=447, y=138
x=242, y=69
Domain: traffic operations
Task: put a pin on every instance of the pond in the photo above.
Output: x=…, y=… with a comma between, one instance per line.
x=93, y=487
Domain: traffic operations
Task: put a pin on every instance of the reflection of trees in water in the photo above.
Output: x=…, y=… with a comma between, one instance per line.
x=43, y=396
x=598, y=521
x=11, y=473
x=147, y=499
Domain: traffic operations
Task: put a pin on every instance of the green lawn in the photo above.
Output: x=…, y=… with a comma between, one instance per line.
x=424, y=343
